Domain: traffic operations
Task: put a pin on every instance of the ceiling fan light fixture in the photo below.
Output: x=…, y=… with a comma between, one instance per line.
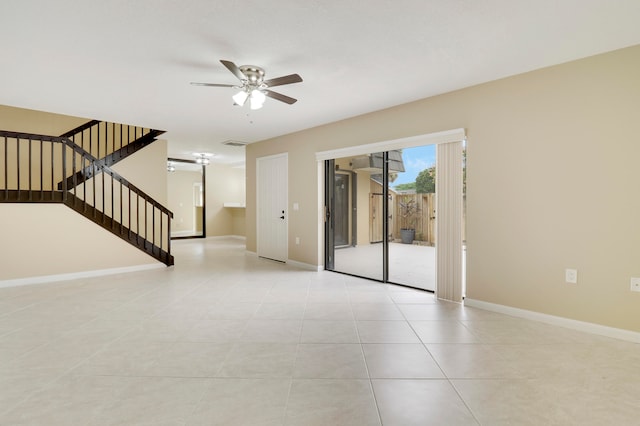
x=202, y=158
x=253, y=85
x=257, y=99
x=240, y=98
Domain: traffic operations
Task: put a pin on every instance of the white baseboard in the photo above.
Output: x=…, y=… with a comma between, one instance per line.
x=587, y=327
x=295, y=264
x=226, y=237
x=187, y=233
x=78, y=275
x=305, y=266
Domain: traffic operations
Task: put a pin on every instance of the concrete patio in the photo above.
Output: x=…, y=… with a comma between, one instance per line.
x=409, y=264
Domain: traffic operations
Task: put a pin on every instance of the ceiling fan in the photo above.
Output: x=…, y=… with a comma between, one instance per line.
x=254, y=87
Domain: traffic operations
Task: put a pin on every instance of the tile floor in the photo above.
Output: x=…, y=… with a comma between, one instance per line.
x=225, y=338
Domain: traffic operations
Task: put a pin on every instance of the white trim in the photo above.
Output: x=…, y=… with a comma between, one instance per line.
x=305, y=266
x=187, y=233
x=294, y=263
x=320, y=258
x=224, y=237
x=78, y=275
x=454, y=135
x=587, y=327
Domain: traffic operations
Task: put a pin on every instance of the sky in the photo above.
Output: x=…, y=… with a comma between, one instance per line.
x=415, y=160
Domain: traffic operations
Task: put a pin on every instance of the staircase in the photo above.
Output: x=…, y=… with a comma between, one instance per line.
x=74, y=169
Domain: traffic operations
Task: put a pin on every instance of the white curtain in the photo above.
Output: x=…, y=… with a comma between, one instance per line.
x=449, y=221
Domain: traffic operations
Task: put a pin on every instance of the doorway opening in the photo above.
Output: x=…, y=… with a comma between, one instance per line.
x=187, y=200
x=409, y=208
x=396, y=239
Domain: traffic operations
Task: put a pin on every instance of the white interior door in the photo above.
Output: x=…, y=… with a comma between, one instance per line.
x=272, y=214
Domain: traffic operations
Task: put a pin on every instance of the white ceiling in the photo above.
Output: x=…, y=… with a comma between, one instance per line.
x=131, y=61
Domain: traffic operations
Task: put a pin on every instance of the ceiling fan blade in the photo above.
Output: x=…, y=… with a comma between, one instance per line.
x=234, y=69
x=212, y=84
x=280, y=97
x=287, y=79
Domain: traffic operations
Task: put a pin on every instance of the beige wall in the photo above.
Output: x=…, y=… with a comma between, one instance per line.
x=552, y=184
x=39, y=240
x=51, y=239
x=238, y=220
x=43, y=123
x=147, y=169
x=30, y=121
x=224, y=185
x=181, y=199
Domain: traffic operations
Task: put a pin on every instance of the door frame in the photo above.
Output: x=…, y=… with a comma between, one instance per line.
x=204, y=198
x=437, y=138
x=329, y=175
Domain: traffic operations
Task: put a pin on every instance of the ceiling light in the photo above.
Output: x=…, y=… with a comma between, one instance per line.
x=257, y=99
x=203, y=157
x=240, y=98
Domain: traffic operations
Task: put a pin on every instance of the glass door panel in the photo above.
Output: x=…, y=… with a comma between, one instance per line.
x=412, y=217
x=342, y=224
x=357, y=216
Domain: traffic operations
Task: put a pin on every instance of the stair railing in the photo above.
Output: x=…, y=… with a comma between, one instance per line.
x=108, y=142
x=101, y=138
x=34, y=164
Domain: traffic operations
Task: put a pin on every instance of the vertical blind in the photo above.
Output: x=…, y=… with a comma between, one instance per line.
x=449, y=221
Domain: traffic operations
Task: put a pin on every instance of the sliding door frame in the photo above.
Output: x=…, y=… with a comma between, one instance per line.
x=448, y=136
x=329, y=193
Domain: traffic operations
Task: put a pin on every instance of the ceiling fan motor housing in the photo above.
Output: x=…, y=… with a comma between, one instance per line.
x=255, y=75
x=254, y=84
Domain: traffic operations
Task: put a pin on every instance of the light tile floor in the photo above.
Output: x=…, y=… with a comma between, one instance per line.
x=225, y=338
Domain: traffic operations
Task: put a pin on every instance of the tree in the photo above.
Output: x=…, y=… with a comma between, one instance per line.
x=426, y=181
x=405, y=186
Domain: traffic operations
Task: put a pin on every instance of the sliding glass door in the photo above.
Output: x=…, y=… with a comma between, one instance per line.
x=381, y=216
x=412, y=246
x=355, y=222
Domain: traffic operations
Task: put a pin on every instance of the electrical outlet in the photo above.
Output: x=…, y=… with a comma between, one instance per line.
x=571, y=276
x=297, y=240
x=635, y=284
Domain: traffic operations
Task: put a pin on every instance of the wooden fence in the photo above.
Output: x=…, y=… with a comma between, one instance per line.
x=413, y=211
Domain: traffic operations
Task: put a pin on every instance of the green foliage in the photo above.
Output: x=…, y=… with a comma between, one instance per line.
x=426, y=181
x=405, y=186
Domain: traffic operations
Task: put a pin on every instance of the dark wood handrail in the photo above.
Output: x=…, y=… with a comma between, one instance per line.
x=101, y=166
x=98, y=163
x=33, y=136
x=115, y=175
x=80, y=128
x=137, y=190
x=66, y=162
